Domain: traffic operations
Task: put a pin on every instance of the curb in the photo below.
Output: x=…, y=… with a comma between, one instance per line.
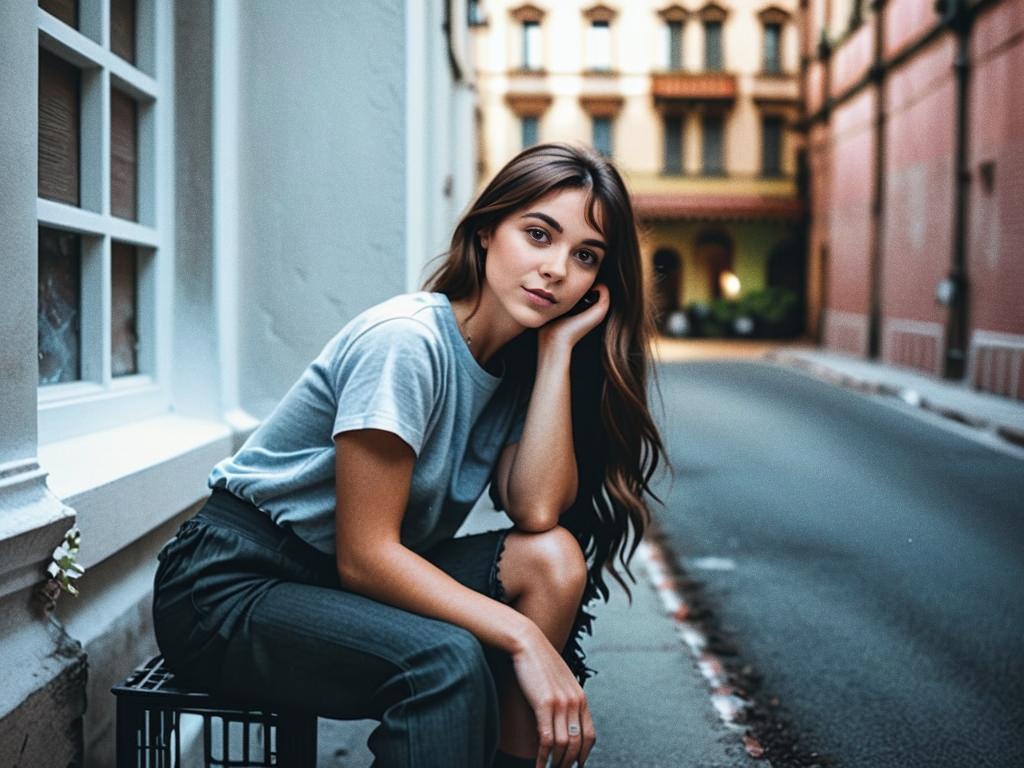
x=908, y=395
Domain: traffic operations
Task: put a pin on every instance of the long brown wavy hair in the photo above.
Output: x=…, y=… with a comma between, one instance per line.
x=616, y=443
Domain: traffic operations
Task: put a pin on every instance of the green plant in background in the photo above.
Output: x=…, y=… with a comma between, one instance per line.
x=64, y=569
x=773, y=312
x=772, y=308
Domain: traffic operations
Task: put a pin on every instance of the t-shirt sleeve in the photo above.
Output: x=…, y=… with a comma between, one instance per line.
x=388, y=378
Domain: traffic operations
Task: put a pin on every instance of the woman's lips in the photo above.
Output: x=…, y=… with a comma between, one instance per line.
x=538, y=300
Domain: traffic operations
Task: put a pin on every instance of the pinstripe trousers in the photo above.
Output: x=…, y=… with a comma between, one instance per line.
x=245, y=608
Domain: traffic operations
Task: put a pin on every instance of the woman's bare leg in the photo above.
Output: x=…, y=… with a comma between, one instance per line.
x=544, y=575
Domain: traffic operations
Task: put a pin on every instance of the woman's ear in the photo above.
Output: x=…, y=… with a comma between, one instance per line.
x=484, y=236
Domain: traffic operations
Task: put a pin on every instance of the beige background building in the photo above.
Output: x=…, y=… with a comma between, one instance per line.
x=693, y=101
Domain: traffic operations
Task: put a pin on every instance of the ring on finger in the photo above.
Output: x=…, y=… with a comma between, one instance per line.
x=574, y=730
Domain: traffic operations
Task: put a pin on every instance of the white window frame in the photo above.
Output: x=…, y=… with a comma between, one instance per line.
x=100, y=401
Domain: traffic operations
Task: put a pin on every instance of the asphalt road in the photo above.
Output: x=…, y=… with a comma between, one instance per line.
x=867, y=564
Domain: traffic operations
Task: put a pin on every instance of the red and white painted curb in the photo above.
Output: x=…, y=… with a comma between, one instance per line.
x=724, y=698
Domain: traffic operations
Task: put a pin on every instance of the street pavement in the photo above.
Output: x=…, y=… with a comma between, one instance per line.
x=860, y=555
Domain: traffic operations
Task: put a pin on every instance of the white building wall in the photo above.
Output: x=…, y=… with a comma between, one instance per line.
x=292, y=202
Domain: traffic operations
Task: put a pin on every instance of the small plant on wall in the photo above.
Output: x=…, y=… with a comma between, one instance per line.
x=63, y=570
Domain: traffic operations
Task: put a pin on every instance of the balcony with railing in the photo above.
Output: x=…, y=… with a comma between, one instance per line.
x=673, y=87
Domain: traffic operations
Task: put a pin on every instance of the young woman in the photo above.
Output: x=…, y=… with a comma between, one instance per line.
x=322, y=572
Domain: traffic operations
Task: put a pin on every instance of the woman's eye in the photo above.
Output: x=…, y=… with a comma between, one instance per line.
x=588, y=257
x=537, y=234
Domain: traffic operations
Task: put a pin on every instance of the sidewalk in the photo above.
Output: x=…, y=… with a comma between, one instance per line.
x=999, y=420
x=994, y=417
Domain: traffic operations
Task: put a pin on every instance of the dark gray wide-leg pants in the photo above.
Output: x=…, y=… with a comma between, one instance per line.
x=245, y=608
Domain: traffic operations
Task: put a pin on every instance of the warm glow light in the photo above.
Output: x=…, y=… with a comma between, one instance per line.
x=730, y=285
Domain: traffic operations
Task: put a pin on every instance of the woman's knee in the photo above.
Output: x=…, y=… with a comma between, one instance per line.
x=554, y=557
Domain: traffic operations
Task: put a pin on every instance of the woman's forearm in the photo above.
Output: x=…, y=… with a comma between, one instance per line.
x=542, y=481
x=391, y=573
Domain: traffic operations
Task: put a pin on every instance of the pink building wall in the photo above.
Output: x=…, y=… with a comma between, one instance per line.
x=851, y=60
x=919, y=192
x=995, y=221
x=919, y=195
x=904, y=22
x=849, y=225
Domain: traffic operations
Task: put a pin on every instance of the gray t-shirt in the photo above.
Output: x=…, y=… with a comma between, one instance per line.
x=400, y=366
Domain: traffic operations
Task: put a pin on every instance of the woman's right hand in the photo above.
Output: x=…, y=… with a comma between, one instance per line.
x=557, y=700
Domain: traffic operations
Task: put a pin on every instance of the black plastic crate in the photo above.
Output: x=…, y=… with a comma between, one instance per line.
x=149, y=709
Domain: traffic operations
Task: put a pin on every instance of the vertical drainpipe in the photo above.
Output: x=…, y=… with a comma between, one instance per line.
x=958, y=17
x=877, y=74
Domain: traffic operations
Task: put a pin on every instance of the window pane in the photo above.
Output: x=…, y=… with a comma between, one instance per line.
x=124, y=162
x=673, y=144
x=712, y=145
x=530, y=130
x=602, y=131
x=59, y=312
x=122, y=29
x=531, y=45
x=599, y=45
x=124, y=305
x=675, y=45
x=771, y=48
x=59, y=128
x=65, y=10
x=771, y=151
x=713, y=45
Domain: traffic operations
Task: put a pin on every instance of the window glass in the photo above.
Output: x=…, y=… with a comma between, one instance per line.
x=673, y=144
x=59, y=129
x=530, y=130
x=772, y=35
x=65, y=10
x=599, y=45
x=713, y=46
x=122, y=29
x=675, y=44
x=602, y=135
x=531, y=45
x=59, y=309
x=124, y=156
x=771, y=146
x=712, y=145
x=124, y=306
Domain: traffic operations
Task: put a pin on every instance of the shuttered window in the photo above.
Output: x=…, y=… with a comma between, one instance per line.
x=529, y=130
x=675, y=44
x=602, y=135
x=713, y=145
x=771, y=146
x=673, y=145
x=713, y=46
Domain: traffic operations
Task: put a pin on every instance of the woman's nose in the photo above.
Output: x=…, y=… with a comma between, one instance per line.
x=555, y=264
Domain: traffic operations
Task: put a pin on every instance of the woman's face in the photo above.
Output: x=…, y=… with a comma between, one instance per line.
x=547, y=247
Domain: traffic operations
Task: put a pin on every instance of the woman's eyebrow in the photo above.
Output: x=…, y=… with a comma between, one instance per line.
x=555, y=225
x=543, y=217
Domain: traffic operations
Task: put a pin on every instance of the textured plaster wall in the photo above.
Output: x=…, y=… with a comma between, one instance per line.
x=18, y=127
x=322, y=180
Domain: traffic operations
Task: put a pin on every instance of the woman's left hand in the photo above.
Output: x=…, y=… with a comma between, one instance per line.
x=569, y=329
